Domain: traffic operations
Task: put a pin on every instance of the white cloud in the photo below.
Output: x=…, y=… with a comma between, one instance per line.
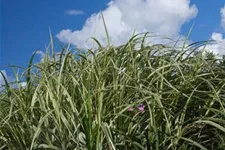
x=222, y=12
x=219, y=47
x=123, y=17
x=41, y=53
x=23, y=84
x=217, y=37
x=74, y=12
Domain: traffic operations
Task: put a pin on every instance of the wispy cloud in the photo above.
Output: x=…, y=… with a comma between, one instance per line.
x=74, y=12
x=202, y=25
x=41, y=53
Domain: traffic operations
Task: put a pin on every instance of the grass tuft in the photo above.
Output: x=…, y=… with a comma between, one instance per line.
x=156, y=97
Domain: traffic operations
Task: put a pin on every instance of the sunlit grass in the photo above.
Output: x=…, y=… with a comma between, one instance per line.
x=157, y=97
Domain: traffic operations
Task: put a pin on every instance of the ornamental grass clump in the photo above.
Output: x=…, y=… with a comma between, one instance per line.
x=134, y=96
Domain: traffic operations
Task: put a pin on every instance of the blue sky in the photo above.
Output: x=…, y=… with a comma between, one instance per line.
x=25, y=23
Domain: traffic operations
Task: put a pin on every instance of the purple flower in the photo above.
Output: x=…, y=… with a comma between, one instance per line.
x=141, y=107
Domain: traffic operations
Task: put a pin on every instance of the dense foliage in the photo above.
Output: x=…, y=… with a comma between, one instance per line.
x=134, y=96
